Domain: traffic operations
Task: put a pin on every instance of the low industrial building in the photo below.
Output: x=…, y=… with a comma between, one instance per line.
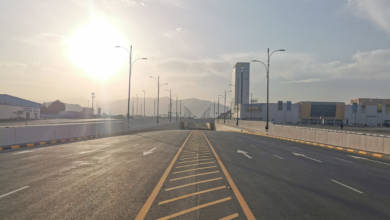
x=368, y=112
x=12, y=108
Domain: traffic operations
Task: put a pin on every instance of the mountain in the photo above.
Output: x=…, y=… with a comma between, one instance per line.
x=197, y=107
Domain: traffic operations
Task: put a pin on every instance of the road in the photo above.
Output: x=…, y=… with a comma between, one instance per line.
x=185, y=174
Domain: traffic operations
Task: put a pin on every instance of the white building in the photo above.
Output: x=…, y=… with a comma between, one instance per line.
x=368, y=112
x=280, y=112
x=12, y=107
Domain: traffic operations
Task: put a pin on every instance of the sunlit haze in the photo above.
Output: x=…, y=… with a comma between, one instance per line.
x=334, y=48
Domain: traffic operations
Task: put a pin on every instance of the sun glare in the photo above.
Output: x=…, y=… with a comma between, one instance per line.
x=92, y=48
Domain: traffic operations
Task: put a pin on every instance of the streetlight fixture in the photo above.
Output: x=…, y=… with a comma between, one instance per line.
x=131, y=63
x=267, y=66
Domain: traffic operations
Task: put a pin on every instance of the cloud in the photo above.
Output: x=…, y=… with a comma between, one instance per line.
x=285, y=68
x=378, y=11
x=173, y=33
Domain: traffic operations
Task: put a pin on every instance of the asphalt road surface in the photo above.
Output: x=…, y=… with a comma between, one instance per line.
x=181, y=174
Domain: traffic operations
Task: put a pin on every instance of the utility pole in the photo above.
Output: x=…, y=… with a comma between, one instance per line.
x=144, y=102
x=136, y=105
x=180, y=110
x=224, y=109
x=214, y=109
x=154, y=108
x=92, y=97
x=170, y=105
x=158, y=99
x=176, y=109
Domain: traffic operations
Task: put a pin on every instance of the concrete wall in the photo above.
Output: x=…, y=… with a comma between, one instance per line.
x=354, y=140
x=33, y=134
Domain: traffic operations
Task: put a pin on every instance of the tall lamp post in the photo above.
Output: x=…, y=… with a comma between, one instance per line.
x=158, y=97
x=267, y=66
x=131, y=63
x=144, y=102
x=218, y=107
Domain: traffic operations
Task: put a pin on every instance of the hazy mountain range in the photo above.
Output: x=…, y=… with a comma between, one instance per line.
x=195, y=106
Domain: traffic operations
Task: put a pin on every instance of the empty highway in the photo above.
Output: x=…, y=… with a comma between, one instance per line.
x=191, y=174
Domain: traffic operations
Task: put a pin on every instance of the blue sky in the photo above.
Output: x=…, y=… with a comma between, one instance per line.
x=336, y=49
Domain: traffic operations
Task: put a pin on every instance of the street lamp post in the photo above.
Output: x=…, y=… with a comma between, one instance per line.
x=130, y=69
x=218, y=107
x=267, y=66
x=144, y=102
x=158, y=97
x=224, y=109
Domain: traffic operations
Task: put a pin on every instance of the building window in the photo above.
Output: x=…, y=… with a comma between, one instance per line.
x=363, y=108
x=379, y=110
x=288, y=105
x=280, y=105
x=388, y=108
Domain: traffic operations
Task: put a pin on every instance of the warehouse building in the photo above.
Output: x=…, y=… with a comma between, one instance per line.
x=12, y=107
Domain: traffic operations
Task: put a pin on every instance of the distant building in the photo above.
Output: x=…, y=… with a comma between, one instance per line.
x=12, y=107
x=326, y=113
x=240, y=78
x=368, y=112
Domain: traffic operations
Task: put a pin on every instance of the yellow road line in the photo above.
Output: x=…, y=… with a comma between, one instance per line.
x=195, y=164
x=194, y=161
x=200, y=168
x=53, y=142
x=42, y=143
x=377, y=155
x=195, y=208
x=330, y=146
x=362, y=152
x=198, y=174
x=30, y=145
x=229, y=217
x=339, y=148
x=145, y=208
x=194, y=183
x=245, y=208
x=349, y=150
x=191, y=194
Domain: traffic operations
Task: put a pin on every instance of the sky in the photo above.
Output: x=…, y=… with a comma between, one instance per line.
x=336, y=49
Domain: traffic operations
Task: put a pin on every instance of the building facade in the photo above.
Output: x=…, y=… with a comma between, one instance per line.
x=12, y=107
x=240, y=83
x=368, y=112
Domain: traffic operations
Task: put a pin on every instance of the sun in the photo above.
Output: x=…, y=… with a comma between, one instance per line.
x=92, y=48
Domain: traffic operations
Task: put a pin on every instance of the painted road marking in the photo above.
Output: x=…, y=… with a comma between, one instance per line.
x=193, y=158
x=244, y=206
x=191, y=194
x=22, y=152
x=149, y=151
x=347, y=161
x=346, y=186
x=194, y=164
x=244, y=153
x=307, y=157
x=195, y=208
x=191, y=184
x=200, y=168
x=145, y=208
x=229, y=217
x=184, y=162
x=14, y=191
x=198, y=174
x=363, y=158
x=279, y=157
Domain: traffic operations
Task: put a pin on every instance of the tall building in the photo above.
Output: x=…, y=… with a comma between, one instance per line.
x=240, y=78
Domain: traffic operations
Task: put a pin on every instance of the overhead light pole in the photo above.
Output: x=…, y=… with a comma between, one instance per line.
x=131, y=63
x=158, y=97
x=267, y=66
x=144, y=102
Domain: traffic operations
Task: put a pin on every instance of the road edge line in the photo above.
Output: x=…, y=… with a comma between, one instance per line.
x=244, y=205
x=146, y=206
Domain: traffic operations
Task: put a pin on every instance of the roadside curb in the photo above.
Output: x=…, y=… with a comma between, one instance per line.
x=327, y=146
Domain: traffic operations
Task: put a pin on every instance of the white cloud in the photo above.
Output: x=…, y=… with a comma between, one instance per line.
x=286, y=68
x=378, y=11
x=173, y=33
